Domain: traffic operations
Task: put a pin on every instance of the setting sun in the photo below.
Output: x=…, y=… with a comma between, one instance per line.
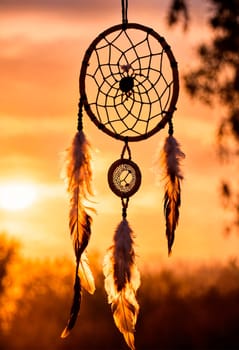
x=16, y=196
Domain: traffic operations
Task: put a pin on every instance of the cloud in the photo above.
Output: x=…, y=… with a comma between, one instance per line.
x=57, y=4
x=39, y=79
x=32, y=149
x=77, y=4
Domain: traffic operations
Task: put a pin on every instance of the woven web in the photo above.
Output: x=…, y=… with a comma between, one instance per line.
x=137, y=59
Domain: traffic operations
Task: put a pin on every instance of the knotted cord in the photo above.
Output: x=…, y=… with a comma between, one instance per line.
x=124, y=4
x=126, y=148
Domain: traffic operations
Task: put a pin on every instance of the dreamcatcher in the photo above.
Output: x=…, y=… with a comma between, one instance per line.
x=129, y=88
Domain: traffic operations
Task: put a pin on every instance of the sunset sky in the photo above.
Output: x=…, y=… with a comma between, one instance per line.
x=41, y=48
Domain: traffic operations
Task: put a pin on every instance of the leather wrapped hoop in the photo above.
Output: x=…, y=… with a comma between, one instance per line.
x=129, y=82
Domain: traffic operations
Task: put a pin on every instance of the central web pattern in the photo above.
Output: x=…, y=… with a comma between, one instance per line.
x=124, y=177
x=129, y=82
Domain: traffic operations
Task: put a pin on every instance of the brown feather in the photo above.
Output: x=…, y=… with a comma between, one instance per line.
x=78, y=177
x=74, y=308
x=122, y=280
x=172, y=202
x=123, y=255
x=171, y=157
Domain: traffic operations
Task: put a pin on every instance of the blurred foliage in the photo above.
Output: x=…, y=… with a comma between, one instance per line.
x=9, y=259
x=8, y=253
x=178, y=11
x=190, y=308
x=215, y=79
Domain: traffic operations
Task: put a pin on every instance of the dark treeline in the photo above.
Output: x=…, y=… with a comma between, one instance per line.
x=187, y=309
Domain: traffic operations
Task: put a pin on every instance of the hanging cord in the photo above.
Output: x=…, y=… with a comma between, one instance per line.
x=124, y=4
x=124, y=202
x=126, y=148
x=170, y=127
x=80, y=114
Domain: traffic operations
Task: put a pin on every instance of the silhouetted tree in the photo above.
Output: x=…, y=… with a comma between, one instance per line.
x=216, y=80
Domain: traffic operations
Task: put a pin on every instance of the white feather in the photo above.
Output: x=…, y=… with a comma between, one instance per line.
x=85, y=274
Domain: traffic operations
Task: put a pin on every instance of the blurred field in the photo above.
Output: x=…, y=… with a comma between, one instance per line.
x=192, y=308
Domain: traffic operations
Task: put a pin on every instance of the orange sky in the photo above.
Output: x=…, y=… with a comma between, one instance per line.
x=41, y=48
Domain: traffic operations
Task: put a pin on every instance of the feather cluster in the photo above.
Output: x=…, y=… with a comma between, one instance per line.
x=171, y=157
x=79, y=176
x=122, y=279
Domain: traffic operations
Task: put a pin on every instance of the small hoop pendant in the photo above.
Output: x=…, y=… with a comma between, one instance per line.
x=124, y=178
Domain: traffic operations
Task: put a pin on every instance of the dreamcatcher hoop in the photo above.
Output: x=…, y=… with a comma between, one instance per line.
x=129, y=97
